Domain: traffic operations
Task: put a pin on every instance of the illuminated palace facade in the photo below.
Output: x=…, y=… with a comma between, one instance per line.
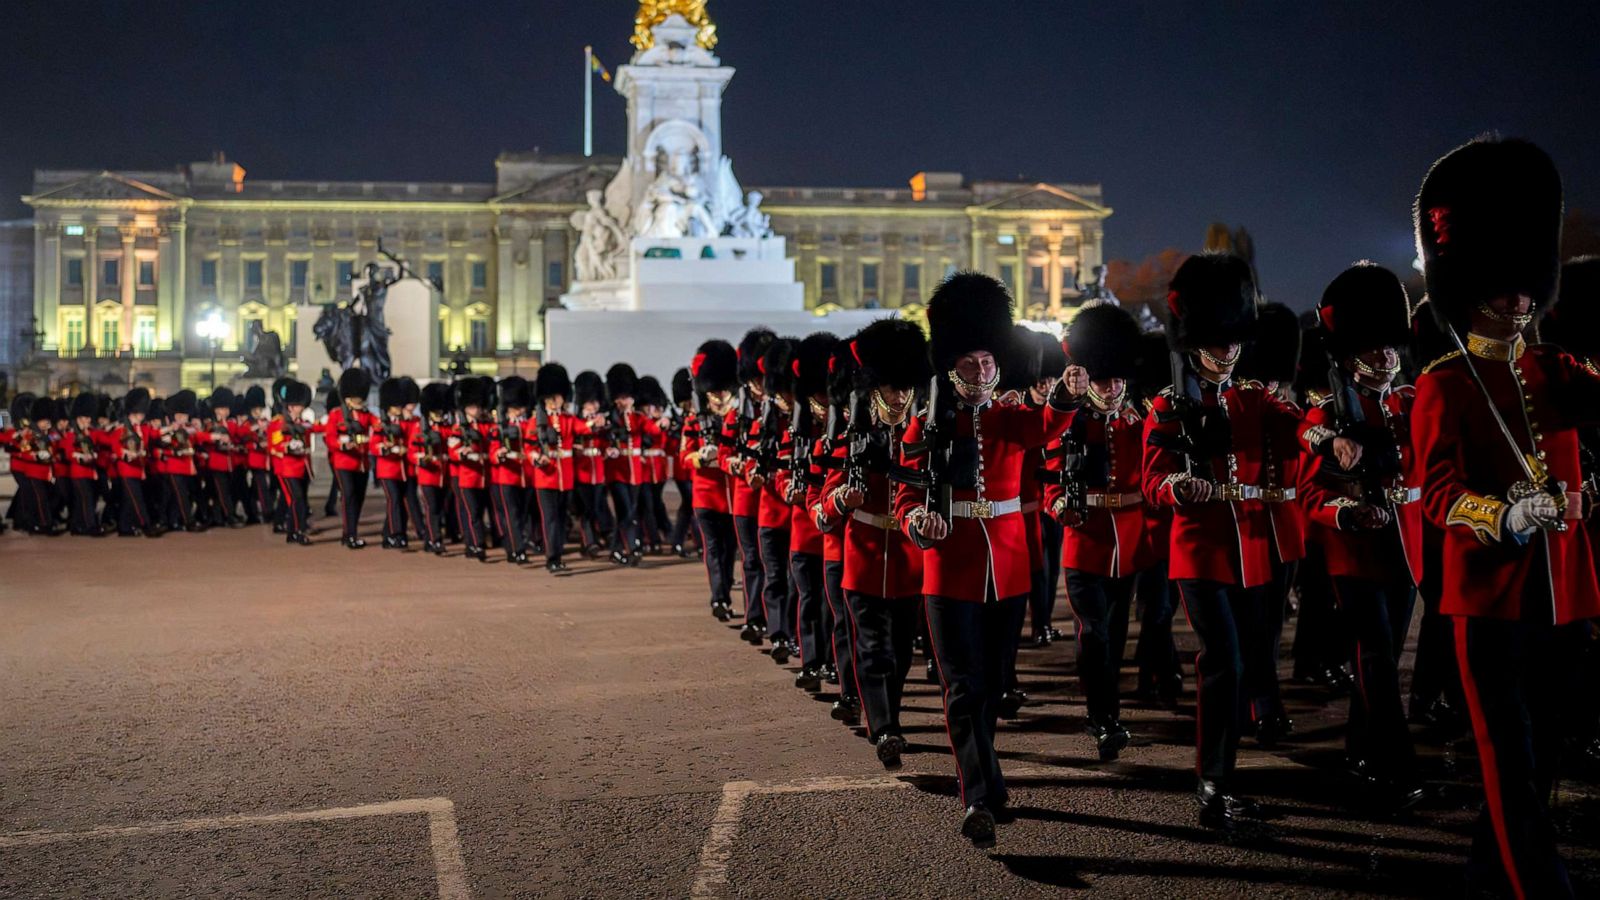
x=125, y=264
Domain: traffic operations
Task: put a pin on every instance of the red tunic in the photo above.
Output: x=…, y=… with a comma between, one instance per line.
x=429, y=464
x=746, y=499
x=291, y=455
x=879, y=560
x=554, y=468
x=79, y=451
x=711, y=487
x=31, y=455
x=390, y=446
x=132, y=445
x=628, y=465
x=469, y=459
x=176, y=451
x=508, y=450
x=348, y=456
x=255, y=442
x=1111, y=539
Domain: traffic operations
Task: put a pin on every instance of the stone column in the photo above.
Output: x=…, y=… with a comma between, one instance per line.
x=91, y=281
x=536, y=288
x=130, y=285
x=1053, y=274
x=174, y=271
x=47, y=282
x=505, y=304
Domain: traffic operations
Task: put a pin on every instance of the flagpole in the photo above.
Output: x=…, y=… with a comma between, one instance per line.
x=588, y=100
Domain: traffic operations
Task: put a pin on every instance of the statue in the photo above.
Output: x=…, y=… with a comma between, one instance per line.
x=740, y=214
x=266, y=358
x=355, y=334
x=1098, y=290
x=601, y=242
x=653, y=12
x=674, y=205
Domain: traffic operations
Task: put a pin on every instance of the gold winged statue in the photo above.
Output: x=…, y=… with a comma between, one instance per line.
x=653, y=12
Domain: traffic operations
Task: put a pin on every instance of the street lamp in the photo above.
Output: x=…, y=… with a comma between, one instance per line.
x=213, y=329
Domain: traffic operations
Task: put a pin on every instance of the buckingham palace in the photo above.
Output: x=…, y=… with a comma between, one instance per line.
x=126, y=264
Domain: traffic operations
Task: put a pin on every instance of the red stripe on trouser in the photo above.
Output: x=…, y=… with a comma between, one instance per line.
x=388, y=505
x=1199, y=692
x=502, y=515
x=137, y=506
x=288, y=500
x=1361, y=680
x=38, y=500
x=1486, y=759
x=181, y=501
x=944, y=698
x=855, y=654
x=464, y=510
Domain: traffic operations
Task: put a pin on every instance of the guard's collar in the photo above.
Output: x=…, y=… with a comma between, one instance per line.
x=1495, y=349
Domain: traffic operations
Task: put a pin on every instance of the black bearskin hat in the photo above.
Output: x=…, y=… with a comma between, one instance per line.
x=158, y=408
x=1153, y=371
x=1104, y=339
x=471, y=391
x=1363, y=309
x=289, y=392
x=184, y=402
x=1574, y=323
x=203, y=411
x=682, y=386
x=104, y=406
x=355, y=383
x=752, y=347
x=254, y=397
x=968, y=311
x=84, y=405
x=893, y=352
x=437, y=397
x=516, y=392
x=811, y=364
x=777, y=367
x=651, y=393
x=1275, y=353
x=391, y=394
x=331, y=399
x=22, y=407
x=552, y=381
x=1311, y=381
x=1211, y=302
x=1019, y=360
x=621, y=381
x=410, y=391
x=588, y=387
x=715, y=367
x=136, y=401
x=1488, y=223
x=1052, y=356
x=279, y=385
x=224, y=398
x=845, y=372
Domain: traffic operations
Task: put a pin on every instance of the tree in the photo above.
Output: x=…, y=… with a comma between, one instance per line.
x=1145, y=281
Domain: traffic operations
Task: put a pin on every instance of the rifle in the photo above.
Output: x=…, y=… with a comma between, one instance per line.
x=770, y=437
x=470, y=437
x=510, y=436
x=549, y=437
x=1380, y=455
x=937, y=446
x=800, y=446
x=1073, y=454
x=1203, y=434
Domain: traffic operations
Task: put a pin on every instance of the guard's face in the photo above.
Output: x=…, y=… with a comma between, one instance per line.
x=83, y=421
x=1377, y=368
x=517, y=412
x=1108, y=391
x=977, y=368
x=472, y=412
x=356, y=402
x=718, y=400
x=591, y=408
x=555, y=403
x=785, y=402
x=1219, y=361
x=756, y=389
x=135, y=418
x=222, y=412
x=180, y=418
x=624, y=402
x=295, y=410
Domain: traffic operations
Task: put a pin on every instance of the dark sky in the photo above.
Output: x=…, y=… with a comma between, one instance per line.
x=1310, y=123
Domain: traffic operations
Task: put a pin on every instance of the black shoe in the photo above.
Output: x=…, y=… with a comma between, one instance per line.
x=477, y=553
x=1041, y=640
x=619, y=558
x=890, y=746
x=830, y=674
x=1054, y=632
x=556, y=567
x=1169, y=688
x=1220, y=810
x=977, y=826
x=390, y=543
x=1110, y=738
x=1272, y=728
x=300, y=538
x=754, y=631
x=846, y=710
x=780, y=652
x=235, y=523
x=919, y=644
x=354, y=543
x=682, y=552
x=1011, y=703
x=434, y=547
x=519, y=558
x=808, y=679
x=277, y=528
x=195, y=528
x=721, y=612
x=154, y=531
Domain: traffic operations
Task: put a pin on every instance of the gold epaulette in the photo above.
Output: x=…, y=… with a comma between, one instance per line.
x=1250, y=384
x=1484, y=515
x=1440, y=361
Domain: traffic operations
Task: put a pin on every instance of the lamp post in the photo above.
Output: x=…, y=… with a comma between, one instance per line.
x=212, y=328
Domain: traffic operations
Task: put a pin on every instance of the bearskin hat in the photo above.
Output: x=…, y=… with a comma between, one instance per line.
x=1312, y=375
x=1274, y=355
x=1104, y=339
x=715, y=367
x=224, y=398
x=811, y=364
x=1363, y=309
x=84, y=405
x=516, y=392
x=621, y=381
x=203, y=411
x=410, y=391
x=682, y=386
x=552, y=380
x=355, y=383
x=893, y=352
x=968, y=311
x=136, y=400
x=1152, y=372
x=330, y=400
x=158, y=408
x=1019, y=360
x=1488, y=224
x=845, y=372
x=589, y=387
x=650, y=392
x=1052, y=355
x=437, y=398
x=1575, y=320
x=279, y=384
x=752, y=347
x=777, y=366
x=254, y=397
x=470, y=391
x=104, y=406
x=290, y=392
x=184, y=402
x=22, y=407
x=391, y=394
x=1211, y=302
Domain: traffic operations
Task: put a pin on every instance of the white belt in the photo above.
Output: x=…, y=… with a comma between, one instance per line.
x=1103, y=500
x=629, y=451
x=590, y=451
x=1233, y=492
x=654, y=453
x=1400, y=496
x=1278, y=495
x=560, y=454
x=887, y=523
x=984, y=509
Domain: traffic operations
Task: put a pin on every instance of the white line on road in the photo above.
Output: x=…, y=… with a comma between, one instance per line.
x=449, y=867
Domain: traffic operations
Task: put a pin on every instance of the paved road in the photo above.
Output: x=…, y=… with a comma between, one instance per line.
x=224, y=715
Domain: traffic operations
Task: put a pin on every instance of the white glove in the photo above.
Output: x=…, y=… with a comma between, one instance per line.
x=1531, y=514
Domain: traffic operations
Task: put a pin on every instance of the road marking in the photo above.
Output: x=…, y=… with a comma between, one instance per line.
x=449, y=867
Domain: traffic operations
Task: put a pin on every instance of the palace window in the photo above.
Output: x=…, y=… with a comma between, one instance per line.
x=74, y=273
x=1008, y=276
x=144, y=334
x=73, y=231
x=436, y=271
x=252, y=274
x=208, y=273
x=829, y=275
x=299, y=274
x=109, y=326
x=554, y=274
x=344, y=270
x=72, y=334
x=444, y=331
x=147, y=273
x=1036, y=278
x=913, y=277
x=480, y=336
x=109, y=271
x=869, y=276
x=480, y=275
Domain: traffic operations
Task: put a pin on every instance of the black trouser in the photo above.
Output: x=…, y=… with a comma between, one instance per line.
x=512, y=515
x=684, y=520
x=352, y=496
x=1320, y=638
x=1042, y=601
x=884, y=629
x=32, y=504
x=748, y=532
x=532, y=518
x=110, y=491
x=432, y=500
x=1215, y=611
x=1156, y=651
x=222, y=494
x=843, y=643
x=651, y=517
x=134, y=514
x=1100, y=608
x=1260, y=636
x=266, y=507
x=969, y=640
x=1435, y=674
x=1517, y=680
x=296, y=509
x=805, y=572
x=80, y=515
x=179, y=500
x=594, y=515
x=469, y=513
x=239, y=480
x=719, y=543
x=553, y=516
x=331, y=508
x=625, y=504
x=396, y=517
x=1378, y=613
x=776, y=593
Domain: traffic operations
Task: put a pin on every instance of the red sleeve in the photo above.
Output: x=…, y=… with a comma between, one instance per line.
x=1437, y=451
x=1315, y=495
x=907, y=497
x=1160, y=464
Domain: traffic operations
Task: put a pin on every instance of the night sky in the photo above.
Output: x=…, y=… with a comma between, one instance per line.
x=1310, y=123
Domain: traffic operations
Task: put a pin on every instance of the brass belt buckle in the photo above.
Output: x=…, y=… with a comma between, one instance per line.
x=1111, y=501
x=982, y=509
x=1231, y=492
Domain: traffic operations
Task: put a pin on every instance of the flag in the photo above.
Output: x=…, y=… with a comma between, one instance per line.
x=594, y=65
